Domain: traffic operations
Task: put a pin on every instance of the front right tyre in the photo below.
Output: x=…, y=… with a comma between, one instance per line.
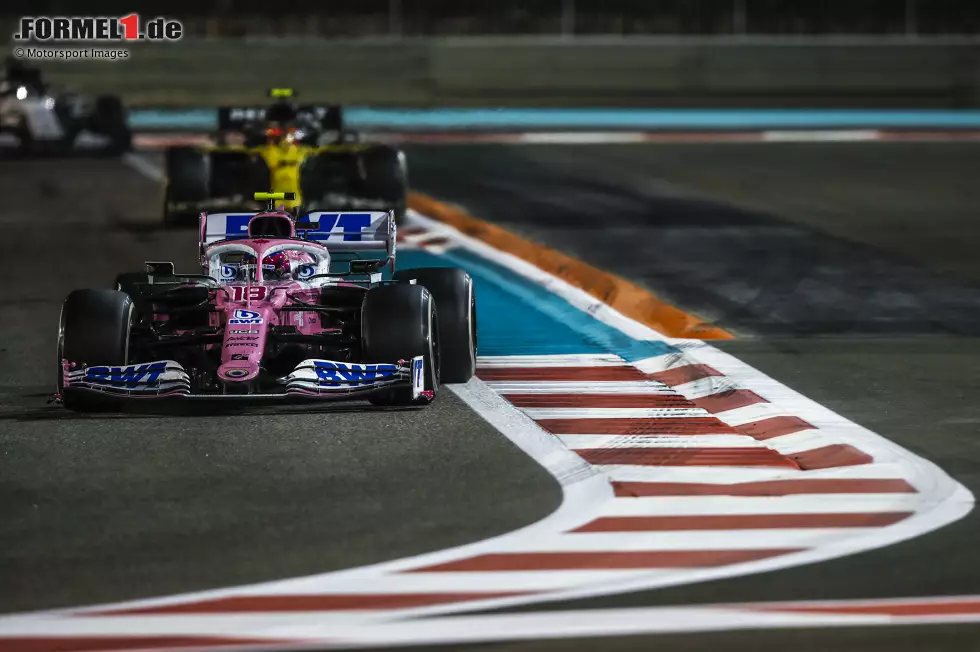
x=455, y=298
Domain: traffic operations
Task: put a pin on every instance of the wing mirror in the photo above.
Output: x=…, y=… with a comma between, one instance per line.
x=160, y=268
x=366, y=266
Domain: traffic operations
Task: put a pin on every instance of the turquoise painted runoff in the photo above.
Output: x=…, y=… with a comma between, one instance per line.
x=515, y=316
x=363, y=117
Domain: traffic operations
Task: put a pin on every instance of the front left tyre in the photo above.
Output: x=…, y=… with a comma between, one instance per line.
x=399, y=322
x=94, y=330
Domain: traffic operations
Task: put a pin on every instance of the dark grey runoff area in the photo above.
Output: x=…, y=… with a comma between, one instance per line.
x=849, y=272
x=105, y=508
x=773, y=239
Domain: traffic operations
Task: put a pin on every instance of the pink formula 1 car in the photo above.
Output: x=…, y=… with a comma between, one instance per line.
x=272, y=317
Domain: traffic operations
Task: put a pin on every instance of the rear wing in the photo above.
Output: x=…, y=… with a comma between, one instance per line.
x=338, y=232
x=236, y=118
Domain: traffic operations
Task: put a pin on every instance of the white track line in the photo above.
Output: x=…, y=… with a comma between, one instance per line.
x=570, y=360
x=539, y=414
x=576, y=442
x=818, y=136
x=734, y=475
x=799, y=442
x=619, y=622
x=651, y=387
x=704, y=387
x=142, y=165
x=752, y=413
x=583, y=137
x=755, y=505
x=452, y=582
x=745, y=539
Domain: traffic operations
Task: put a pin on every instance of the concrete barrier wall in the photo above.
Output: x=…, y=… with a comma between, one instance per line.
x=522, y=72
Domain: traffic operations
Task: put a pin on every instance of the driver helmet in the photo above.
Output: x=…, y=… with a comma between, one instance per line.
x=275, y=267
x=279, y=118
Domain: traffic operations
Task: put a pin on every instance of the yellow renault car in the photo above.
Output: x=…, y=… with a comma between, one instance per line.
x=304, y=150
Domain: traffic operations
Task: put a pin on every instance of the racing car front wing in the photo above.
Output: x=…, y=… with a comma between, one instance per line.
x=148, y=380
x=316, y=379
x=327, y=377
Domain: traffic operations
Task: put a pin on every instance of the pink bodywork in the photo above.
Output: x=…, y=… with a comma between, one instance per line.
x=244, y=343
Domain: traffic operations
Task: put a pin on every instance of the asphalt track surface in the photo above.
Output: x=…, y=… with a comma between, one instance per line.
x=846, y=270
x=849, y=273
x=96, y=509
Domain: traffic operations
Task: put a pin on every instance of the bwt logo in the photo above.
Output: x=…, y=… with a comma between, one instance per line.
x=349, y=227
x=337, y=372
x=246, y=317
x=143, y=374
x=98, y=28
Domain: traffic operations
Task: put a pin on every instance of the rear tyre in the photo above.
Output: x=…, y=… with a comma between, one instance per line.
x=328, y=179
x=26, y=145
x=333, y=119
x=456, y=303
x=71, y=125
x=399, y=322
x=110, y=120
x=94, y=330
x=186, y=182
x=386, y=178
x=232, y=173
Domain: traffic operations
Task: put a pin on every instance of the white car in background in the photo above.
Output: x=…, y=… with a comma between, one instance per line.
x=35, y=120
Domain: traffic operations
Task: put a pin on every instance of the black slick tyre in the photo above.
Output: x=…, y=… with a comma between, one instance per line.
x=326, y=175
x=187, y=182
x=94, y=330
x=455, y=298
x=399, y=322
x=386, y=178
x=26, y=145
x=110, y=120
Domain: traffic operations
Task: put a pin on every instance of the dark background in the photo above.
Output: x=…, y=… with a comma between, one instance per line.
x=340, y=18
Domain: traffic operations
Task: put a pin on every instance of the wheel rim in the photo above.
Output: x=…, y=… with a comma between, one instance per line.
x=434, y=349
x=129, y=330
x=473, y=327
x=60, y=383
